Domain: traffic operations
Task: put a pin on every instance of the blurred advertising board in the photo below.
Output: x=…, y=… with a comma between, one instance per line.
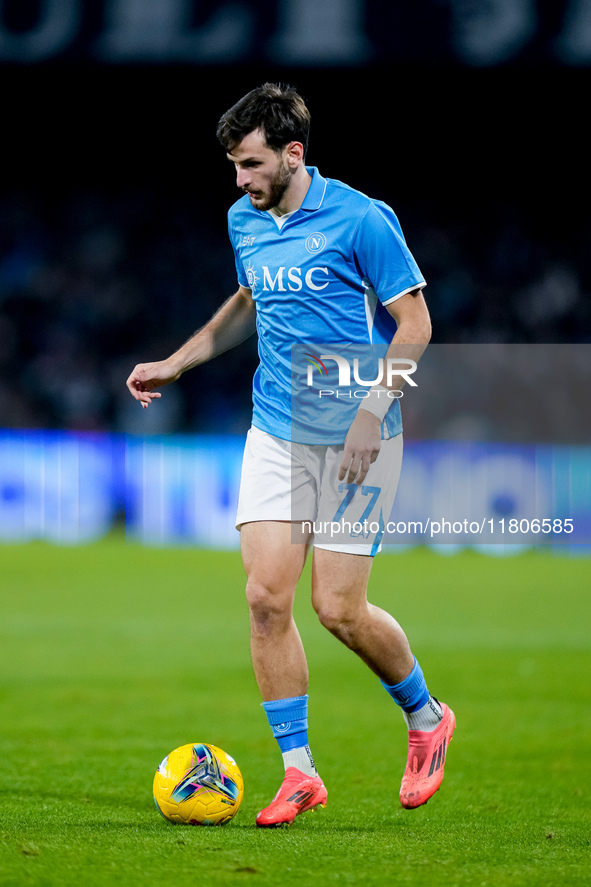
x=70, y=488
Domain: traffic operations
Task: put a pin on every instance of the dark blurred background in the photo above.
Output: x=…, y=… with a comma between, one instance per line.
x=464, y=115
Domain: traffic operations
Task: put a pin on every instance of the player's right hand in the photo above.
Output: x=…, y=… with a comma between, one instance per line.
x=148, y=376
x=362, y=446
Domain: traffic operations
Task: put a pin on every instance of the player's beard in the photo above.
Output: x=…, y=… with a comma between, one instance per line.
x=277, y=189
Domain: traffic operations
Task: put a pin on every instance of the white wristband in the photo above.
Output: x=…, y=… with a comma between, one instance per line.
x=377, y=402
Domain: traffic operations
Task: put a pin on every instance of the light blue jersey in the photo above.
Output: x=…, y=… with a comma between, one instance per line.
x=320, y=280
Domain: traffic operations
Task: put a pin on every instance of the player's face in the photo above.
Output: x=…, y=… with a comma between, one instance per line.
x=260, y=171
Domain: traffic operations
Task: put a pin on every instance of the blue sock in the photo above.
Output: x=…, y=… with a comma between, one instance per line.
x=289, y=721
x=411, y=694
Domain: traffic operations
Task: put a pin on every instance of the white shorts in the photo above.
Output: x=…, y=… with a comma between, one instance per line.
x=282, y=481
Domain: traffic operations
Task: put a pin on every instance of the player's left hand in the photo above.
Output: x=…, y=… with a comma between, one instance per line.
x=362, y=446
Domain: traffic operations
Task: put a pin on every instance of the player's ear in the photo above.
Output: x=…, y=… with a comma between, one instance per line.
x=294, y=154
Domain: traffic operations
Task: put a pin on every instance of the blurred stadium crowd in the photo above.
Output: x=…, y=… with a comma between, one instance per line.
x=92, y=283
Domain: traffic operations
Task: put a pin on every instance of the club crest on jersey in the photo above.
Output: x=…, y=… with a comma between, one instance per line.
x=315, y=242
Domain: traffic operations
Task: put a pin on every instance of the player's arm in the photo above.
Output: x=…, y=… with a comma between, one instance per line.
x=234, y=322
x=413, y=333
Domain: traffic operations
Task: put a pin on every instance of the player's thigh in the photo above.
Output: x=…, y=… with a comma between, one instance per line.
x=339, y=584
x=273, y=563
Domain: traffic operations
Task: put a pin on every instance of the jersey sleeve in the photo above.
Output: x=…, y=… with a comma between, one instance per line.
x=382, y=256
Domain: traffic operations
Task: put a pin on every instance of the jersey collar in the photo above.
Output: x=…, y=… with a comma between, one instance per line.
x=316, y=191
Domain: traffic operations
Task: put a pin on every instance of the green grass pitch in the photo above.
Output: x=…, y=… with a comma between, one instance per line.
x=112, y=654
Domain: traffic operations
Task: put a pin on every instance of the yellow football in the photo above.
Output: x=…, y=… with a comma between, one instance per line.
x=198, y=784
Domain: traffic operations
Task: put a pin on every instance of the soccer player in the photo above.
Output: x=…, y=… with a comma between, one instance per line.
x=317, y=262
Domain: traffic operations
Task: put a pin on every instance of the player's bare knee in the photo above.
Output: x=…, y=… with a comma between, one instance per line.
x=338, y=620
x=261, y=597
x=269, y=608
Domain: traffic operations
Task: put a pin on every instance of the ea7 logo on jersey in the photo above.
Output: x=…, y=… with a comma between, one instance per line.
x=286, y=279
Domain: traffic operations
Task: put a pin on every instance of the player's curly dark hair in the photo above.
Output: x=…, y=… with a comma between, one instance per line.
x=275, y=108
